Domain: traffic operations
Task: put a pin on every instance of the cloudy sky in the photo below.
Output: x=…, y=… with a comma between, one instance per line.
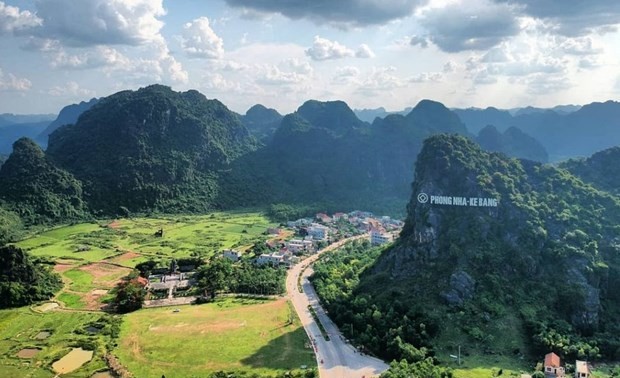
x=369, y=53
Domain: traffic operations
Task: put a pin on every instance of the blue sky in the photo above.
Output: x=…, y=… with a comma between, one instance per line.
x=280, y=53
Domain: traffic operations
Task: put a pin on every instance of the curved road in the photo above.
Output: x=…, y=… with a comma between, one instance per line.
x=336, y=358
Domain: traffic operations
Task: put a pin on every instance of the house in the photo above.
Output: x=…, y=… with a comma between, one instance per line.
x=338, y=216
x=553, y=368
x=379, y=237
x=273, y=259
x=299, y=246
x=322, y=217
x=582, y=370
x=318, y=232
x=232, y=255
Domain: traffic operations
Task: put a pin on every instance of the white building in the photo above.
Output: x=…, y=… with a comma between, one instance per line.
x=378, y=237
x=318, y=232
x=582, y=370
x=232, y=255
x=299, y=246
x=273, y=259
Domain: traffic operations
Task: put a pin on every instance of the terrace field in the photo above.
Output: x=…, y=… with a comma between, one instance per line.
x=232, y=334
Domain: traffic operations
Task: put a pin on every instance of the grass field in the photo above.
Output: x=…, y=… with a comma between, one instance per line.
x=231, y=334
x=183, y=236
x=19, y=328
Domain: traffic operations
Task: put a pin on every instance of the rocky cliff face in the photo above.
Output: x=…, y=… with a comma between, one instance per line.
x=492, y=234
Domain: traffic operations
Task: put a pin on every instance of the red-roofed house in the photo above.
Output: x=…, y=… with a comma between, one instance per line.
x=553, y=368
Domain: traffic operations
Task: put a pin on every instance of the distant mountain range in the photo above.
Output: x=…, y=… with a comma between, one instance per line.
x=159, y=150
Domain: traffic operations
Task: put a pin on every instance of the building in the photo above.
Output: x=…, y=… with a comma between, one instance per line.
x=582, y=370
x=273, y=259
x=553, y=366
x=379, y=237
x=338, y=216
x=322, y=217
x=298, y=246
x=232, y=255
x=274, y=231
x=318, y=232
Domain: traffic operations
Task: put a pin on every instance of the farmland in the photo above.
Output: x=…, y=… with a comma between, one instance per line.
x=93, y=257
x=225, y=335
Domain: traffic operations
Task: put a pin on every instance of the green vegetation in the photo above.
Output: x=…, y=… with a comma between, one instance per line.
x=536, y=274
x=219, y=275
x=22, y=328
x=24, y=280
x=37, y=190
x=225, y=335
x=184, y=236
x=151, y=149
x=129, y=295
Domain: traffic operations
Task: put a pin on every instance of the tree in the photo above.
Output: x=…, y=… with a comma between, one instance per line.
x=130, y=296
x=214, y=277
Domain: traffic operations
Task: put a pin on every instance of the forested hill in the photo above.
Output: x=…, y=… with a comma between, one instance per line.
x=36, y=189
x=601, y=170
x=323, y=155
x=151, y=149
x=491, y=241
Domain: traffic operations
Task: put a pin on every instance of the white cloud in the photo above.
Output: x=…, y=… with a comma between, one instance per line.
x=101, y=56
x=200, y=41
x=290, y=71
x=70, y=89
x=427, y=77
x=100, y=22
x=364, y=51
x=324, y=49
x=12, y=19
x=12, y=83
x=381, y=79
x=346, y=75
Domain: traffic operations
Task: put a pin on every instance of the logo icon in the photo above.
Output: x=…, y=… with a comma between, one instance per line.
x=422, y=198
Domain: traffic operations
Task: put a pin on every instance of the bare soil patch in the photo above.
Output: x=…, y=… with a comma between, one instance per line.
x=61, y=267
x=129, y=255
x=28, y=353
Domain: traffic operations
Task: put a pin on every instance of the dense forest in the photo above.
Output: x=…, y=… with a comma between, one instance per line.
x=25, y=280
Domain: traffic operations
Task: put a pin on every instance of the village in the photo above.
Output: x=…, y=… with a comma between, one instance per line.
x=284, y=247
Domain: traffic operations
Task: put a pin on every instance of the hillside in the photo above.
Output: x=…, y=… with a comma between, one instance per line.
x=503, y=255
x=601, y=170
x=324, y=156
x=24, y=280
x=68, y=115
x=151, y=149
x=36, y=189
x=512, y=142
x=262, y=122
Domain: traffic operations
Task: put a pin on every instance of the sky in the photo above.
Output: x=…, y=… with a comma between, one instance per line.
x=280, y=53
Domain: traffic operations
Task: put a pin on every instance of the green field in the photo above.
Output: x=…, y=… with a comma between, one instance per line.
x=231, y=334
x=184, y=236
x=19, y=328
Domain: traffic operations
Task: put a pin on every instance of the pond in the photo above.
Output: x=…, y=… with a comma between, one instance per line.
x=72, y=360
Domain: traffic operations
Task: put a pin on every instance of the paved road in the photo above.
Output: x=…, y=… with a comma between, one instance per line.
x=336, y=358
